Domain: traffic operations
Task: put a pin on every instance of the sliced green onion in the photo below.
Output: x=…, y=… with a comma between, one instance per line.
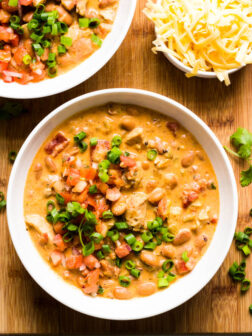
x=107, y=214
x=135, y=273
x=250, y=309
x=130, y=239
x=52, y=72
x=130, y=264
x=60, y=199
x=161, y=274
x=83, y=22
x=150, y=246
x=96, y=237
x=167, y=265
x=126, y=154
x=168, y=237
x=245, y=285
x=72, y=227
x=147, y=236
x=88, y=249
x=67, y=237
x=46, y=30
x=124, y=281
x=54, y=30
x=106, y=248
x=114, y=155
x=185, y=256
x=246, y=250
x=116, y=141
x=32, y=24
x=92, y=189
x=113, y=235
x=2, y=201
x=103, y=176
x=80, y=136
x=62, y=27
x=118, y=262
x=241, y=237
x=242, y=265
x=61, y=49
x=96, y=39
x=66, y=41
x=93, y=142
x=121, y=225
x=83, y=146
x=94, y=23
x=151, y=154
x=170, y=277
x=13, y=3
x=137, y=246
x=12, y=156
x=239, y=275
x=50, y=205
x=248, y=231
x=100, y=290
x=163, y=282
x=100, y=255
x=233, y=269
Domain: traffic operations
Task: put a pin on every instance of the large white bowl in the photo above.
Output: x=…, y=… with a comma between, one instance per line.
x=84, y=70
x=181, y=290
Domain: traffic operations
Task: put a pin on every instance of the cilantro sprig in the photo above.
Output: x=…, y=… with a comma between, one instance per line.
x=242, y=142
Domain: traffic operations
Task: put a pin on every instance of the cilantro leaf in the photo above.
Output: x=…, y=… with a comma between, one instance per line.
x=246, y=177
x=244, y=151
x=241, y=137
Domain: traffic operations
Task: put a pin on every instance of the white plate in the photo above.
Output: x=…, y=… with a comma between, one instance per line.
x=84, y=70
x=162, y=301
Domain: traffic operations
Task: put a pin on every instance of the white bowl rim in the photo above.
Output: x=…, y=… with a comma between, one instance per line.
x=154, y=310
x=90, y=66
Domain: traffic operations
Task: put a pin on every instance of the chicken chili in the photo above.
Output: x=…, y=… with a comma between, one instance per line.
x=121, y=201
x=40, y=38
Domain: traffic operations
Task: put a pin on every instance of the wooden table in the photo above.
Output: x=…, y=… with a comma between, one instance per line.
x=219, y=307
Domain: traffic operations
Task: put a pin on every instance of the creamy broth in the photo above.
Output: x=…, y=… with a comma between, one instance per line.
x=160, y=187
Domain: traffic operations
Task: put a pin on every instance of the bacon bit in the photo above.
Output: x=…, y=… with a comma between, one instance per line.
x=91, y=286
x=189, y=197
x=123, y=250
x=91, y=262
x=173, y=126
x=181, y=267
x=57, y=144
x=163, y=208
x=99, y=152
x=127, y=161
x=56, y=257
x=113, y=194
x=74, y=261
x=59, y=242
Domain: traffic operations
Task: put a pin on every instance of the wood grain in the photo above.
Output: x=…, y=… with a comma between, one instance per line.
x=25, y=307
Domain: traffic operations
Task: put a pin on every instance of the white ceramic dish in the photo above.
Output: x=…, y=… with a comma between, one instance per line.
x=181, y=290
x=84, y=70
x=203, y=74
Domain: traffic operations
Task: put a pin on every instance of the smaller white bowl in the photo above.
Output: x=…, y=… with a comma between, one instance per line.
x=203, y=74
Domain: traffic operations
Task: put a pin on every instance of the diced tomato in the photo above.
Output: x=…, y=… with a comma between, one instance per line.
x=74, y=261
x=123, y=250
x=127, y=161
x=56, y=257
x=6, y=78
x=15, y=40
x=5, y=56
x=88, y=173
x=91, y=285
x=188, y=197
x=5, y=34
x=3, y=66
x=25, y=2
x=73, y=177
x=67, y=196
x=91, y=262
x=91, y=201
x=59, y=242
x=181, y=267
x=83, y=196
x=26, y=78
x=43, y=239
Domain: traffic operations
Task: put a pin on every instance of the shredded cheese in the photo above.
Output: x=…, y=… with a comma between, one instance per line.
x=205, y=35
